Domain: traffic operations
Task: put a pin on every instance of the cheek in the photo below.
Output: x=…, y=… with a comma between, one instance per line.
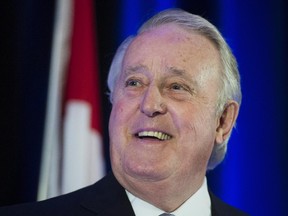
x=116, y=130
x=121, y=118
x=116, y=117
x=119, y=127
x=198, y=129
x=197, y=144
x=203, y=118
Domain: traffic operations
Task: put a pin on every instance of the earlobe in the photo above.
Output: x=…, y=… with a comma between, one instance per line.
x=226, y=121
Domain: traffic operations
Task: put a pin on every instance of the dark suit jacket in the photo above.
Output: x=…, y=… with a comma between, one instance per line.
x=105, y=198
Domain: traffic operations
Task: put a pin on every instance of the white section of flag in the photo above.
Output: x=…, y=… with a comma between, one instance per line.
x=74, y=158
x=81, y=145
x=49, y=184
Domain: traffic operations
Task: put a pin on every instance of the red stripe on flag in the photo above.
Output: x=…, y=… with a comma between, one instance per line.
x=83, y=74
x=72, y=157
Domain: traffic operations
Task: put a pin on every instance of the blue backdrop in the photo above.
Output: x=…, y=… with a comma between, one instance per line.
x=254, y=173
x=253, y=176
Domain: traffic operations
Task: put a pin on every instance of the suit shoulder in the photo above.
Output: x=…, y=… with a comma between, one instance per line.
x=220, y=208
x=53, y=206
x=66, y=204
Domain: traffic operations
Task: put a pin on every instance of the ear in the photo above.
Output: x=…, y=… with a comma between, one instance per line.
x=226, y=121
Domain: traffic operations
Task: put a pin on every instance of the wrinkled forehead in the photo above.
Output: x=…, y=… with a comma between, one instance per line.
x=173, y=37
x=174, y=47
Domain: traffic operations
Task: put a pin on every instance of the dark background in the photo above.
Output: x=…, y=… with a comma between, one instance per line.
x=254, y=174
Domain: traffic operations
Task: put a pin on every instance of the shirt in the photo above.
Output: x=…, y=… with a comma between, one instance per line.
x=198, y=204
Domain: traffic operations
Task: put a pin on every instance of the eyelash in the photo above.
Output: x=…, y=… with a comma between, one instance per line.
x=130, y=81
x=178, y=87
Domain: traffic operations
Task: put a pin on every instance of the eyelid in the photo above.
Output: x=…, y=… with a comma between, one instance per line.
x=181, y=85
x=178, y=84
x=136, y=79
x=129, y=81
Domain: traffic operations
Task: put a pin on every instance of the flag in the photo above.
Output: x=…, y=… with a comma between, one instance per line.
x=72, y=154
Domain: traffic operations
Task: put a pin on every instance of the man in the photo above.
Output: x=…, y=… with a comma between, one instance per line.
x=175, y=91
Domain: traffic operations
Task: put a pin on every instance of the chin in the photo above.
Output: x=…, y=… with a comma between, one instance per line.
x=150, y=173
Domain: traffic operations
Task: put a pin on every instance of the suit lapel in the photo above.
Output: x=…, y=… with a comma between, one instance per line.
x=220, y=208
x=214, y=204
x=108, y=198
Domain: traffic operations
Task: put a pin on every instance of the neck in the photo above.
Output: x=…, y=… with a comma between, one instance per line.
x=164, y=194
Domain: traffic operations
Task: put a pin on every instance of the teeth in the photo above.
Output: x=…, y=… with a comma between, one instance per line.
x=157, y=134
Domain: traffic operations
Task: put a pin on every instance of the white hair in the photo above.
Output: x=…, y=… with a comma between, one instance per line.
x=230, y=78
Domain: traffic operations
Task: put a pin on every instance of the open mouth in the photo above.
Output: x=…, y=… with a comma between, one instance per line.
x=154, y=135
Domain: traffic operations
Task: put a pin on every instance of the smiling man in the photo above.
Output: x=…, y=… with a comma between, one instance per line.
x=175, y=93
x=168, y=88
x=175, y=99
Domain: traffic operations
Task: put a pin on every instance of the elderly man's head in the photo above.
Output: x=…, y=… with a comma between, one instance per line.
x=230, y=80
x=175, y=93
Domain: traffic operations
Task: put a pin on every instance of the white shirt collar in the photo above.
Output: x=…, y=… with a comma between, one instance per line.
x=198, y=204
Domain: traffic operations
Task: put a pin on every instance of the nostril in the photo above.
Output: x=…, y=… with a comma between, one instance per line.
x=152, y=103
x=153, y=108
x=152, y=113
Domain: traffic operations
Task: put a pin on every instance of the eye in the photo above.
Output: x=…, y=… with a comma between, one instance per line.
x=177, y=86
x=132, y=82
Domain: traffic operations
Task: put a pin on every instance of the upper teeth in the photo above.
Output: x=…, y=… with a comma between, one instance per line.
x=159, y=135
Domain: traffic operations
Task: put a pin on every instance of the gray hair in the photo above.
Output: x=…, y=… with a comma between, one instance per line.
x=230, y=78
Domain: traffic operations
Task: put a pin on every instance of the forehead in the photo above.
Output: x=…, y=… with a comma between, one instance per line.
x=171, y=46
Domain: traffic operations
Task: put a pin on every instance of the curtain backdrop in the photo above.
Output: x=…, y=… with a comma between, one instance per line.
x=252, y=177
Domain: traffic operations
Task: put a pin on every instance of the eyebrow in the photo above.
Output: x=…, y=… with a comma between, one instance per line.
x=182, y=73
x=137, y=68
x=177, y=71
x=172, y=71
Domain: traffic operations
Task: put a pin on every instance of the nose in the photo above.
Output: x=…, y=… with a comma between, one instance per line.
x=153, y=103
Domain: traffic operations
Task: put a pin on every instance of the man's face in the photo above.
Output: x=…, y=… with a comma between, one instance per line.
x=163, y=122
